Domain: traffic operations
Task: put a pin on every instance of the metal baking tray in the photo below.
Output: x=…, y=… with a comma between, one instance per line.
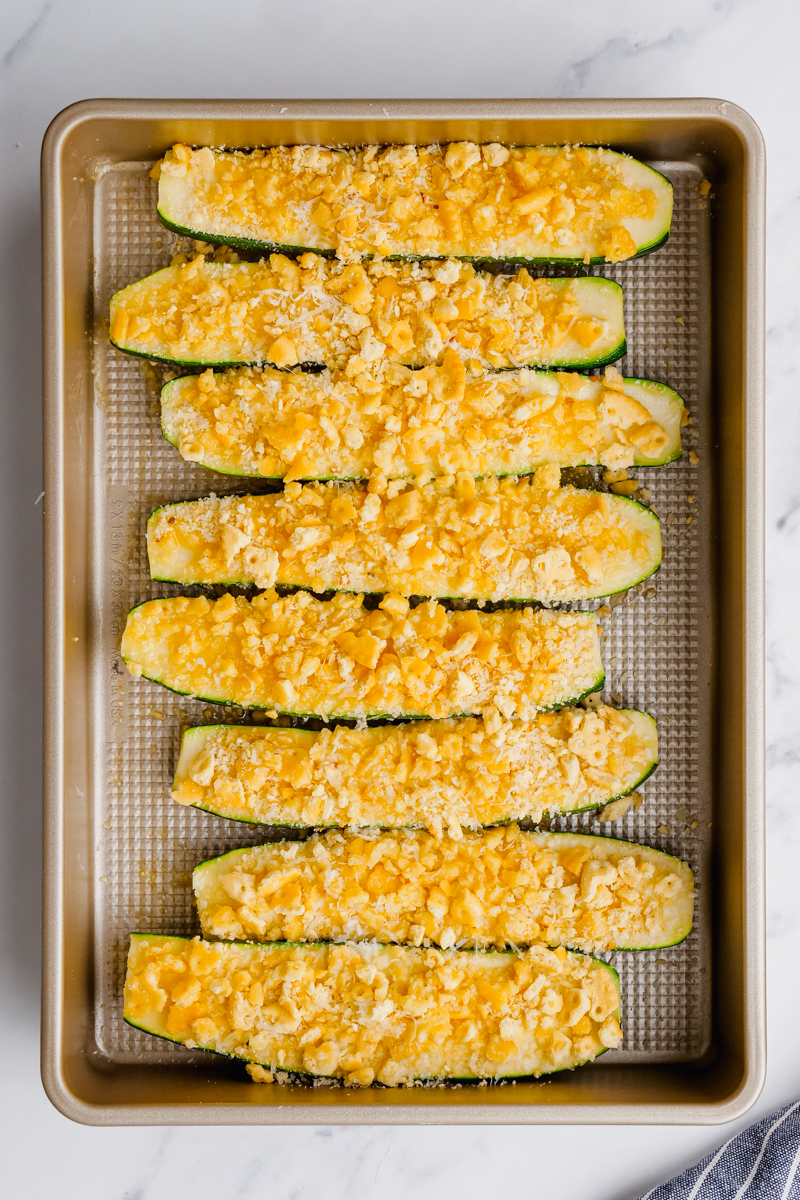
x=686, y=646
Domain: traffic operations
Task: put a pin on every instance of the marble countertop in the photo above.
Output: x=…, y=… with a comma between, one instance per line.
x=54, y=52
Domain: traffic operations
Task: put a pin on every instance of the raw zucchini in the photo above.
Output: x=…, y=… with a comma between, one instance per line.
x=333, y=659
x=435, y=775
x=498, y=887
x=523, y=204
x=524, y=539
x=315, y=313
x=436, y=421
x=364, y=1013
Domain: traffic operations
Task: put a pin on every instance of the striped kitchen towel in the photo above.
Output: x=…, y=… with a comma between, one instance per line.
x=760, y=1163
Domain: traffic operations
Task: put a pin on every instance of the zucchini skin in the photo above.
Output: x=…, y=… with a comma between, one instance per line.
x=311, y=367
x=334, y=716
x=307, y=587
x=680, y=935
x=611, y=356
x=319, y=586
x=511, y=817
x=336, y=1080
x=601, y=804
x=292, y=250
x=607, y=359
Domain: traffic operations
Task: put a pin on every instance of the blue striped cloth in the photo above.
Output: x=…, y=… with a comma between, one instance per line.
x=760, y=1163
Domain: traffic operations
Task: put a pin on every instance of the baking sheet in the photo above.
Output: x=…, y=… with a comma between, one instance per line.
x=656, y=640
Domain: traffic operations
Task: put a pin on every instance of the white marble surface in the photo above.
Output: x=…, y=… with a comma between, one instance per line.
x=53, y=52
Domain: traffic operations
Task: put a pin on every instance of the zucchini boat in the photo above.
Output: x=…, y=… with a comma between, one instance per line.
x=334, y=659
x=498, y=887
x=524, y=539
x=435, y=421
x=320, y=313
x=364, y=1013
x=525, y=204
x=435, y=775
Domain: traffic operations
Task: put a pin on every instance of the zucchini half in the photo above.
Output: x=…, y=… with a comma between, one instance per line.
x=331, y=658
x=513, y=539
x=436, y=775
x=497, y=887
x=436, y=421
x=523, y=204
x=317, y=313
x=372, y=1013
